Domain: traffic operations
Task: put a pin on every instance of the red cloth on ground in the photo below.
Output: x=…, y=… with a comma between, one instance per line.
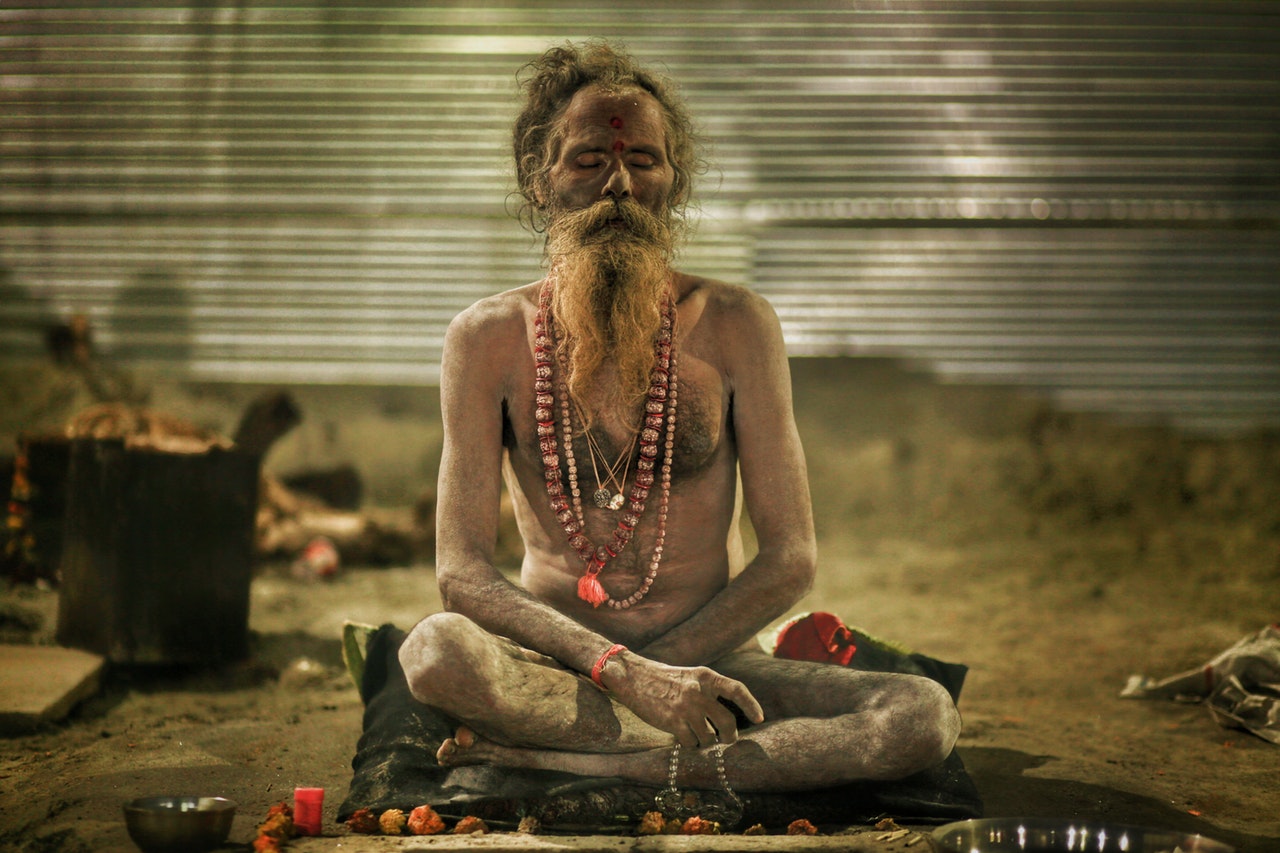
x=820, y=637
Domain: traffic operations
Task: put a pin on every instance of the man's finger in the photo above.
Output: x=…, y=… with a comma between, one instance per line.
x=737, y=693
x=707, y=734
x=725, y=723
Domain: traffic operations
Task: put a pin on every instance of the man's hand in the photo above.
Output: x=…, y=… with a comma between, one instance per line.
x=685, y=701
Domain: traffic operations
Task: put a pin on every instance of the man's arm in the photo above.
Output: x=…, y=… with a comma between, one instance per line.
x=775, y=488
x=485, y=348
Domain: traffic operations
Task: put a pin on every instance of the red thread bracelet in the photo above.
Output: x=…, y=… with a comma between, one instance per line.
x=604, y=658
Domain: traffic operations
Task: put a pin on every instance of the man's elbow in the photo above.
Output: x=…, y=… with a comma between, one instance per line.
x=802, y=568
x=453, y=591
x=454, y=583
x=467, y=586
x=808, y=569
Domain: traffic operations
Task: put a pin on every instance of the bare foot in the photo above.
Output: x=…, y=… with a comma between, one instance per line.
x=467, y=748
x=464, y=748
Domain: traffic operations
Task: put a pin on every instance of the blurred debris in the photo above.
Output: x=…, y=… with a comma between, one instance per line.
x=140, y=427
x=70, y=345
x=340, y=487
x=304, y=673
x=18, y=623
x=1241, y=686
x=265, y=420
x=289, y=521
x=313, y=518
x=310, y=518
x=33, y=518
x=318, y=561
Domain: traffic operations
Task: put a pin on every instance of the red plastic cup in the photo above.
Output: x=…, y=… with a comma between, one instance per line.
x=308, y=804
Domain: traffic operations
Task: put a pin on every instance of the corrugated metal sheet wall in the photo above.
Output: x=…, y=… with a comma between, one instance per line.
x=1074, y=195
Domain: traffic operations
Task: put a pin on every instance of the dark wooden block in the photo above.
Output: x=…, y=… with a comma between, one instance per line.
x=157, y=553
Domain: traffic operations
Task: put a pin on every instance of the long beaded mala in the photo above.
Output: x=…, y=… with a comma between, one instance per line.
x=670, y=802
x=659, y=412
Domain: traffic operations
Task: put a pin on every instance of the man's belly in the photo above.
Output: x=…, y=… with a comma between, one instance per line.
x=678, y=591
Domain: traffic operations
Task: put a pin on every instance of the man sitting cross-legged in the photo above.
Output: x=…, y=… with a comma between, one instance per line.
x=623, y=401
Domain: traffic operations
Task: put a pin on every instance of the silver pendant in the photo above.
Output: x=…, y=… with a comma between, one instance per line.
x=603, y=498
x=616, y=501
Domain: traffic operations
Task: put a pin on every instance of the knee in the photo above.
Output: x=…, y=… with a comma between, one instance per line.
x=945, y=719
x=435, y=652
x=929, y=730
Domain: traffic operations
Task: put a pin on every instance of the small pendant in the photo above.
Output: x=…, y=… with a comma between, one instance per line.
x=604, y=499
x=615, y=503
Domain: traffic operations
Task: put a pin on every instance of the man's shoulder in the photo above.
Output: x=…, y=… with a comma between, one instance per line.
x=724, y=301
x=720, y=294
x=505, y=312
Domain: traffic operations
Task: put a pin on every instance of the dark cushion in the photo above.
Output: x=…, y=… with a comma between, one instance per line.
x=395, y=767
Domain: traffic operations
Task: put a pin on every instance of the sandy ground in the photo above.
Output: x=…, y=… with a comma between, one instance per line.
x=1055, y=555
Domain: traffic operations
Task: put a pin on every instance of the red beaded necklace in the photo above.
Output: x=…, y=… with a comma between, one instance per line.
x=659, y=412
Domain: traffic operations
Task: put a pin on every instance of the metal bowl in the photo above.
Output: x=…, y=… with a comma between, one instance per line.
x=173, y=824
x=1039, y=835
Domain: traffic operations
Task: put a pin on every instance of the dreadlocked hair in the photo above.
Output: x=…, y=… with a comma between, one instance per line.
x=551, y=81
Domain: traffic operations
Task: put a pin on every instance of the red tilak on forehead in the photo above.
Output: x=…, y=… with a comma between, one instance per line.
x=618, y=146
x=615, y=122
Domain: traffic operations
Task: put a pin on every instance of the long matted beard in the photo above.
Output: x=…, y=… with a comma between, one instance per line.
x=609, y=283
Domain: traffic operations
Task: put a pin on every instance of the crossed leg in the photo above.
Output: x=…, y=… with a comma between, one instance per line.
x=512, y=696
x=824, y=725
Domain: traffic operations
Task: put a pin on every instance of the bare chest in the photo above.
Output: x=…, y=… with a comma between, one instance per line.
x=610, y=448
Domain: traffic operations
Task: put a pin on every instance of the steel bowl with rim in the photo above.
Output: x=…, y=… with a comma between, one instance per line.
x=172, y=824
x=1041, y=835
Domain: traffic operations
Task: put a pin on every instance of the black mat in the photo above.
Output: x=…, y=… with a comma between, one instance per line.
x=395, y=767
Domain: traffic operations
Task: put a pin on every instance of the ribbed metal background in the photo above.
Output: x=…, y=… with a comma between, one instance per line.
x=1080, y=197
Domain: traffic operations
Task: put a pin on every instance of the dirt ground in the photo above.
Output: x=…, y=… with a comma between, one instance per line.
x=1054, y=554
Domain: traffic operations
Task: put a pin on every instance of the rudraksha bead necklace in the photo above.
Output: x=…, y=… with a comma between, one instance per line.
x=659, y=422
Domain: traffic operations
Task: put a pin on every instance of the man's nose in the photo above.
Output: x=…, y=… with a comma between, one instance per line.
x=619, y=183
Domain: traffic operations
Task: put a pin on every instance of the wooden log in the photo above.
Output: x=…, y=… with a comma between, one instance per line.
x=157, y=552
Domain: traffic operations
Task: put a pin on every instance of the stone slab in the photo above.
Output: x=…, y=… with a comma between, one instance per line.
x=40, y=684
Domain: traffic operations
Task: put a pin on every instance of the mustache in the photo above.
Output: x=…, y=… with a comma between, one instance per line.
x=602, y=222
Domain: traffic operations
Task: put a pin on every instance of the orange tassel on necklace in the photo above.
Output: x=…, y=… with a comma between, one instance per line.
x=589, y=588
